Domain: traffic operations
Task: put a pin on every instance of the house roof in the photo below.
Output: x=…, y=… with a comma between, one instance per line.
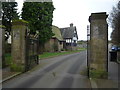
x=68, y=32
x=57, y=32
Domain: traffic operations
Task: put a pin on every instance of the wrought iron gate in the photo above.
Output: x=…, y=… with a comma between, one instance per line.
x=31, y=51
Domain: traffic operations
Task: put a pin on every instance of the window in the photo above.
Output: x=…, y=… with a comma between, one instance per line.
x=66, y=40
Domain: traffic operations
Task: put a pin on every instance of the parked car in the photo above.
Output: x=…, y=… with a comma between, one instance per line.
x=115, y=48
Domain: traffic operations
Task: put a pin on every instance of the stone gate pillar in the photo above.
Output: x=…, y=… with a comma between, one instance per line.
x=98, y=45
x=19, y=28
x=2, y=48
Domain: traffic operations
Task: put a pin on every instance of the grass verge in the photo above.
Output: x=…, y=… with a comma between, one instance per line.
x=53, y=54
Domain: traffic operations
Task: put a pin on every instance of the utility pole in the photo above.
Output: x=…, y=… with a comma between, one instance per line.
x=88, y=54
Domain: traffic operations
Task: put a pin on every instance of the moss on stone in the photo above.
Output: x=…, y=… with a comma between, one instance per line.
x=20, y=20
x=98, y=74
x=17, y=68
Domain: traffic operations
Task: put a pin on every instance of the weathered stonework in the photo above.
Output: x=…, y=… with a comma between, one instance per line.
x=98, y=42
x=2, y=49
x=52, y=45
x=18, y=45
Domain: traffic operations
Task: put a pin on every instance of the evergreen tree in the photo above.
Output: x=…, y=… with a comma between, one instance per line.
x=9, y=13
x=39, y=15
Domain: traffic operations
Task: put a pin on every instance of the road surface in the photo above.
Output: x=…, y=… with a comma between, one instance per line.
x=59, y=72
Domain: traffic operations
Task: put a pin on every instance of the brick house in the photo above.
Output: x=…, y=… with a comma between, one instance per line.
x=56, y=42
x=70, y=37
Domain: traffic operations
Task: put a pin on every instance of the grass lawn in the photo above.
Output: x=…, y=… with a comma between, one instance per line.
x=52, y=54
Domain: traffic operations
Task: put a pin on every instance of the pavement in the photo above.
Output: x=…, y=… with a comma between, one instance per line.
x=112, y=81
x=103, y=83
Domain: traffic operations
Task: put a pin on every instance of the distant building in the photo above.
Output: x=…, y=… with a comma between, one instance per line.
x=56, y=42
x=82, y=44
x=70, y=37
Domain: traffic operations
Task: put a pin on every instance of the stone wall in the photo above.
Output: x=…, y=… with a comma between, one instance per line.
x=53, y=45
x=49, y=46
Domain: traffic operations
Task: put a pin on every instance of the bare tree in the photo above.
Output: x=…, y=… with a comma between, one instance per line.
x=115, y=24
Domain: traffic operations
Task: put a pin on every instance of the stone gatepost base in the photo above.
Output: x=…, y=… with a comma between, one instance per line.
x=97, y=71
x=17, y=68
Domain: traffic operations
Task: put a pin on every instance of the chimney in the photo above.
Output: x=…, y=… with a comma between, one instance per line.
x=71, y=25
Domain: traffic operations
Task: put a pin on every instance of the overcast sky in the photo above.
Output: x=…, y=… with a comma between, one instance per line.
x=77, y=12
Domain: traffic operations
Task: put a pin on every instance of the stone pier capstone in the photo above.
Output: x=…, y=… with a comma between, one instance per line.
x=98, y=45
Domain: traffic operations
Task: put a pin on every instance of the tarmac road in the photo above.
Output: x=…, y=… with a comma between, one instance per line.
x=59, y=72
